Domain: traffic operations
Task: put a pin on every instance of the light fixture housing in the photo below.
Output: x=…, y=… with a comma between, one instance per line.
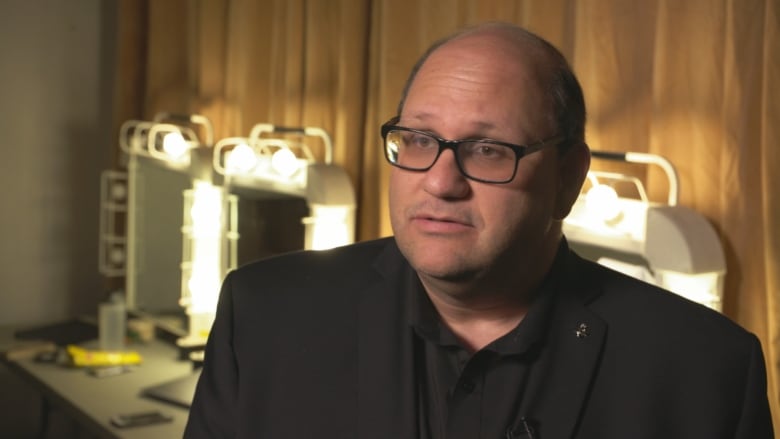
x=665, y=244
x=169, y=142
x=277, y=159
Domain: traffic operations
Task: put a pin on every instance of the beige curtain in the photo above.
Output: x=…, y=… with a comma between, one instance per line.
x=694, y=81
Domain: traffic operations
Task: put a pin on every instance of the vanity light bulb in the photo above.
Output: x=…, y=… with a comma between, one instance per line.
x=602, y=202
x=206, y=210
x=174, y=145
x=241, y=159
x=284, y=162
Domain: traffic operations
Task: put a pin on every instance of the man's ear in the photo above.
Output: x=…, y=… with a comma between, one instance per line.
x=573, y=168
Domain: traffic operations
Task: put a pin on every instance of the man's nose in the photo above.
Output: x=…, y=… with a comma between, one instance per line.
x=444, y=179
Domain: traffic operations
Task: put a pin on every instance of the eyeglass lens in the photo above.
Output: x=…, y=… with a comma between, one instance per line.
x=479, y=160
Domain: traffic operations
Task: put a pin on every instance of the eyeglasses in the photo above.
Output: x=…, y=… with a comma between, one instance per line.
x=483, y=160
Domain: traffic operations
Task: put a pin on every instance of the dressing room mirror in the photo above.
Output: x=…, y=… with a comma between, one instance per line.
x=268, y=223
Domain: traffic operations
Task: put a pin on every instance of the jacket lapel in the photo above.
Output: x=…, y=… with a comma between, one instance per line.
x=387, y=391
x=559, y=390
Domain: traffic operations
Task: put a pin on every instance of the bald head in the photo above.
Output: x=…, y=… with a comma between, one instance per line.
x=543, y=65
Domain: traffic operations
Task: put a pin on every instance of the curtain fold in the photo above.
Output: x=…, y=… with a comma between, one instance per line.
x=768, y=149
x=693, y=81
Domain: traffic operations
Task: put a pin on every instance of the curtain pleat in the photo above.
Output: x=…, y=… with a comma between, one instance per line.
x=693, y=81
x=768, y=150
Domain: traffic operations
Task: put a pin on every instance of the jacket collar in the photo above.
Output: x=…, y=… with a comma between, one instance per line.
x=387, y=390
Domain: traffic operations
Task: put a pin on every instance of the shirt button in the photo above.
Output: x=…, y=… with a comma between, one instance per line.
x=467, y=386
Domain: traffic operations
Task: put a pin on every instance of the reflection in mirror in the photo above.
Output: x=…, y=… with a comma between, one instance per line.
x=268, y=223
x=153, y=279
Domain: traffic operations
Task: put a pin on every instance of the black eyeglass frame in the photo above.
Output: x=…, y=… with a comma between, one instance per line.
x=519, y=150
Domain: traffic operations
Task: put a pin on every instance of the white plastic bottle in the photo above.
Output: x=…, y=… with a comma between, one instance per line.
x=112, y=323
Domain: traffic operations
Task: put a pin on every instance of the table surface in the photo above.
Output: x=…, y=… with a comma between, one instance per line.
x=92, y=401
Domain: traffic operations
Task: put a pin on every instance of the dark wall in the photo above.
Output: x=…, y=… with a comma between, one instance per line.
x=55, y=119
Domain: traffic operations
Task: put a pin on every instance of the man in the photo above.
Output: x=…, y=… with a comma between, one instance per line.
x=475, y=320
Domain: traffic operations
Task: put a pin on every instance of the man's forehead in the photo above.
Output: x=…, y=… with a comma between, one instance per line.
x=492, y=48
x=429, y=118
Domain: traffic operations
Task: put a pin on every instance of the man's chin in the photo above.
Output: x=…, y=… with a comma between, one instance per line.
x=450, y=273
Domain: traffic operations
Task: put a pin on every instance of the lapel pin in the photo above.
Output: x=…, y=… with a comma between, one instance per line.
x=582, y=330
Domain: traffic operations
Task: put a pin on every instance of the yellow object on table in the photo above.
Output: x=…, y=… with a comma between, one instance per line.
x=81, y=357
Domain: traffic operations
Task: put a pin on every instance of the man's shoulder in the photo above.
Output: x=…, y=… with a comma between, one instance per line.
x=656, y=343
x=360, y=250
x=629, y=305
x=352, y=261
x=308, y=288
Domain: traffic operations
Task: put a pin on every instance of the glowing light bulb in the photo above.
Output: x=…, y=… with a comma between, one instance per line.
x=241, y=159
x=328, y=227
x=602, y=202
x=206, y=211
x=284, y=162
x=174, y=145
x=206, y=245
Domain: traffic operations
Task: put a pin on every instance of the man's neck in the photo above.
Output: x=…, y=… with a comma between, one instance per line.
x=477, y=324
x=482, y=311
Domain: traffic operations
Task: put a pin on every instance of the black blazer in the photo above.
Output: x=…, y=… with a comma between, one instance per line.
x=317, y=345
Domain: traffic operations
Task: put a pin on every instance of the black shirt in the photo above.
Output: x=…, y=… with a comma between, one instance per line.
x=480, y=395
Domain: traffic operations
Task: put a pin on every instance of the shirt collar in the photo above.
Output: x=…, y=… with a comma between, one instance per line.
x=528, y=333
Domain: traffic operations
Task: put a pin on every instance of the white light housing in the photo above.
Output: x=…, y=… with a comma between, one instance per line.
x=661, y=243
x=704, y=288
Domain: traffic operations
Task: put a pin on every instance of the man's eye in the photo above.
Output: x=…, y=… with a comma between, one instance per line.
x=420, y=141
x=489, y=151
